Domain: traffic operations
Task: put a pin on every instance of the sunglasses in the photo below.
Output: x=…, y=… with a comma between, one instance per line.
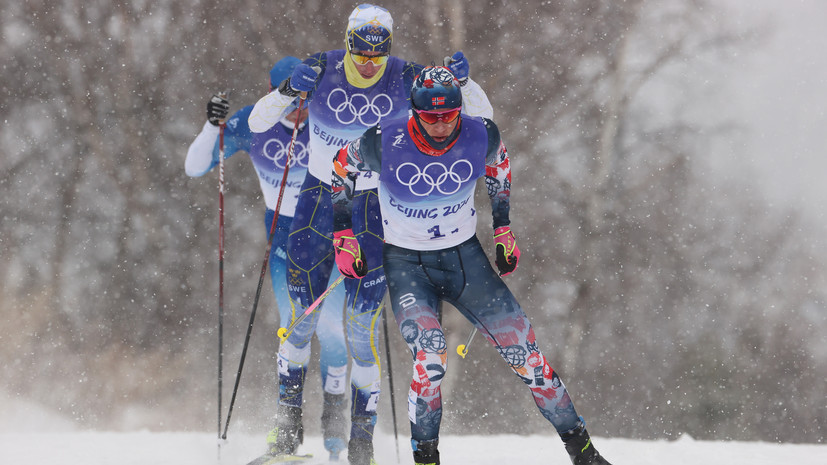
x=432, y=117
x=363, y=59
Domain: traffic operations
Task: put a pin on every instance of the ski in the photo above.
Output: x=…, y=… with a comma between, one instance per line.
x=268, y=459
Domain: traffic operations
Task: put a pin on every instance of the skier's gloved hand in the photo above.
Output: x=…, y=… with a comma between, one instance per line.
x=217, y=109
x=459, y=66
x=507, y=252
x=303, y=78
x=349, y=258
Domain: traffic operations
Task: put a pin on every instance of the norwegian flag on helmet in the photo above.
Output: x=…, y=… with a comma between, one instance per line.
x=435, y=88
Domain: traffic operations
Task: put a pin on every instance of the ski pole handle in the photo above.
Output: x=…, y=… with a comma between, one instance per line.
x=283, y=333
x=225, y=94
x=462, y=349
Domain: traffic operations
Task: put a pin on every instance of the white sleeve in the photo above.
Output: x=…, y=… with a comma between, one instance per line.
x=268, y=111
x=199, y=156
x=475, y=102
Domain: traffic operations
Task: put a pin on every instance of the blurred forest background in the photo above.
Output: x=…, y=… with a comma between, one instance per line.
x=672, y=300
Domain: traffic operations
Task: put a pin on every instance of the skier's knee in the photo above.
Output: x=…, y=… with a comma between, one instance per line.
x=429, y=368
x=363, y=353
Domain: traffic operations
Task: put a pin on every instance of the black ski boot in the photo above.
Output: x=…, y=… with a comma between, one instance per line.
x=334, y=424
x=580, y=448
x=426, y=452
x=360, y=452
x=288, y=434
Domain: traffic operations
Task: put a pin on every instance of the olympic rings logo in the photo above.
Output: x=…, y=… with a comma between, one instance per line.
x=276, y=151
x=358, y=106
x=434, y=176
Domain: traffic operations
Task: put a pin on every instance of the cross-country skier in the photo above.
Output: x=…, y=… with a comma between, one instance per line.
x=349, y=90
x=427, y=167
x=268, y=152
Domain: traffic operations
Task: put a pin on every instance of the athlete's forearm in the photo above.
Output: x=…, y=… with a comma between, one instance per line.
x=268, y=111
x=200, y=159
x=498, y=181
x=343, y=183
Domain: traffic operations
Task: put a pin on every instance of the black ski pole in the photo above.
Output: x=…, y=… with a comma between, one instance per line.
x=263, y=268
x=390, y=377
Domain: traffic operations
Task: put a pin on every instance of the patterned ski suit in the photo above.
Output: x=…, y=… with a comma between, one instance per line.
x=432, y=254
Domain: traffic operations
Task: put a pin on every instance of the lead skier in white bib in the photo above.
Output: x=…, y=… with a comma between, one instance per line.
x=427, y=166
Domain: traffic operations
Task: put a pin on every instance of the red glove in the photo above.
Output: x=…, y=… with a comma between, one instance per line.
x=349, y=256
x=507, y=252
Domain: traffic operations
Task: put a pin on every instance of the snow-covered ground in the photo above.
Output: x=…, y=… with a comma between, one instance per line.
x=30, y=434
x=144, y=448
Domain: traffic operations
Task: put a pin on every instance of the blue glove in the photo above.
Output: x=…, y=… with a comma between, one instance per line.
x=458, y=65
x=304, y=77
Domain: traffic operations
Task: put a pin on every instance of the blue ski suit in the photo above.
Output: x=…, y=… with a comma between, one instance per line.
x=268, y=153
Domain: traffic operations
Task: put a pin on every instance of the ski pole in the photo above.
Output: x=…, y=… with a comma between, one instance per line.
x=284, y=333
x=263, y=268
x=220, y=266
x=390, y=379
x=462, y=349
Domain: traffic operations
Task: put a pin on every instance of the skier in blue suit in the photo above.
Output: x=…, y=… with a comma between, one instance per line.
x=268, y=153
